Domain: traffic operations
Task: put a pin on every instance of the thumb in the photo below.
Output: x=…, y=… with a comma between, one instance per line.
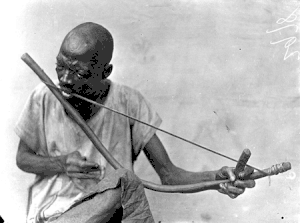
x=228, y=173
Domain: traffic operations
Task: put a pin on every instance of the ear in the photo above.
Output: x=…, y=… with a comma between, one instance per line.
x=107, y=71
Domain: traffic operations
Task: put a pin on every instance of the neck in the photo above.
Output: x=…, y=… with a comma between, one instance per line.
x=86, y=109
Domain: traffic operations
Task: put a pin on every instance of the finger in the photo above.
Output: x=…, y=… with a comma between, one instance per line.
x=247, y=172
x=81, y=162
x=233, y=196
x=225, y=190
x=76, y=154
x=77, y=169
x=93, y=169
x=87, y=164
x=91, y=166
x=244, y=184
x=235, y=190
x=83, y=175
x=229, y=171
x=225, y=173
x=222, y=191
x=75, y=157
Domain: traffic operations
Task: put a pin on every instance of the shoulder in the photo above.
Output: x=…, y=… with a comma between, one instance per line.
x=40, y=90
x=134, y=101
x=126, y=93
x=41, y=95
x=124, y=89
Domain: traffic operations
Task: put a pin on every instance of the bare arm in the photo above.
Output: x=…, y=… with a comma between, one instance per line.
x=172, y=175
x=73, y=164
x=30, y=162
x=167, y=171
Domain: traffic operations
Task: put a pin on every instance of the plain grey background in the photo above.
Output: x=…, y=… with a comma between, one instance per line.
x=224, y=74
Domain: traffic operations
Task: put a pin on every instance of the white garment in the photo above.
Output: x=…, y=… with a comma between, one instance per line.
x=46, y=129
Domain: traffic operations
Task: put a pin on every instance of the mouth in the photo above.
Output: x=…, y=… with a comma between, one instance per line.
x=66, y=95
x=66, y=92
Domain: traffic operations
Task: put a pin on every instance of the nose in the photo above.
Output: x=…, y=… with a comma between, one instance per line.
x=65, y=77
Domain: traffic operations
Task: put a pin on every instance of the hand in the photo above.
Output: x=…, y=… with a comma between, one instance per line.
x=238, y=183
x=75, y=165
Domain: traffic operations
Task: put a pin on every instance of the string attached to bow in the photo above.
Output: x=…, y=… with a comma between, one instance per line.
x=152, y=126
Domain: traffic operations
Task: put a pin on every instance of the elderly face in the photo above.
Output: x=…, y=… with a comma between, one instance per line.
x=83, y=66
x=83, y=62
x=79, y=74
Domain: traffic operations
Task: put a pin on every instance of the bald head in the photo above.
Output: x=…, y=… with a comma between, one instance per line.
x=88, y=42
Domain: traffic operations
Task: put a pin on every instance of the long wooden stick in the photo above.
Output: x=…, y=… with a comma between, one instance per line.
x=100, y=147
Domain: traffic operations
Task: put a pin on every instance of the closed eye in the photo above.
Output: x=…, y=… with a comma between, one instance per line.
x=59, y=68
x=79, y=74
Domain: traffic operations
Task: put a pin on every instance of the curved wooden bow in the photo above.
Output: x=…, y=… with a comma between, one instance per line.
x=191, y=188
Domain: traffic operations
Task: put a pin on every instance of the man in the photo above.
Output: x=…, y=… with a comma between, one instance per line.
x=74, y=183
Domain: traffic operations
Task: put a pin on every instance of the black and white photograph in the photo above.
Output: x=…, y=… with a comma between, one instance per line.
x=158, y=111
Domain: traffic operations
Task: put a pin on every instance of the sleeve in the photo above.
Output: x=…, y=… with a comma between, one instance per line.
x=141, y=109
x=30, y=126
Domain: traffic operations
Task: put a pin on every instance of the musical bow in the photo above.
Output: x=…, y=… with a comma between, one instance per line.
x=190, y=188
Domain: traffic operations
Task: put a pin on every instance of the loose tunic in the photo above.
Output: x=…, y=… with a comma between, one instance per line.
x=48, y=131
